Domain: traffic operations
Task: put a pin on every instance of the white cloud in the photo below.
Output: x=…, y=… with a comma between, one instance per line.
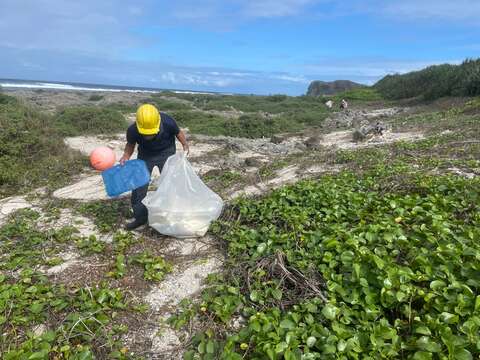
x=61, y=66
x=234, y=12
x=435, y=9
x=57, y=39
x=226, y=78
x=230, y=13
x=366, y=70
x=292, y=78
x=222, y=79
x=464, y=12
x=88, y=26
x=240, y=74
x=191, y=77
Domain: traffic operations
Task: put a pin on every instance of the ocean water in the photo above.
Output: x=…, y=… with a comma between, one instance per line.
x=52, y=85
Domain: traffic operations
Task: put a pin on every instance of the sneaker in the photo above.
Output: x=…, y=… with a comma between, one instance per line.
x=135, y=224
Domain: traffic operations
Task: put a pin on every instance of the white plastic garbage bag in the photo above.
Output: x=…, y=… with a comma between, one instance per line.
x=182, y=206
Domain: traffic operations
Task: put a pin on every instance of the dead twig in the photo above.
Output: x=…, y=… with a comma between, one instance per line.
x=295, y=276
x=294, y=284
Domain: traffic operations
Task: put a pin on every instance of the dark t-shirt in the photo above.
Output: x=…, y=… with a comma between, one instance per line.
x=162, y=144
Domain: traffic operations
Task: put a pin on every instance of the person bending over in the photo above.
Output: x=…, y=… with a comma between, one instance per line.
x=154, y=132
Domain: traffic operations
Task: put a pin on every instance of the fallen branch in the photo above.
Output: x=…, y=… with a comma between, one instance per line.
x=294, y=284
x=296, y=277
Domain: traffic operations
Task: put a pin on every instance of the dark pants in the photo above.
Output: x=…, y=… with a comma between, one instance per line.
x=140, y=211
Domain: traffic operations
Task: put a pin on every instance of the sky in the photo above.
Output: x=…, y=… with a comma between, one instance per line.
x=249, y=46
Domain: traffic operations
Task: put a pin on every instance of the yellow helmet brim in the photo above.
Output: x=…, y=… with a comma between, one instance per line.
x=152, y=131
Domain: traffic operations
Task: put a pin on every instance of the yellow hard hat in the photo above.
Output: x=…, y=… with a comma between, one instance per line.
x=148, y=120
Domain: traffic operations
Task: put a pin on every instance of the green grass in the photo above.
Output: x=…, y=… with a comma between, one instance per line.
x=225, y=179
x=95, y=97
x=89, y=120
x=360, y=94
x=273, y=104
x=164, y=104
x=122, y=107
x=32, y=152
x=251, y=125
x=263, y=115
x=433, y=82
x=7, y=100
x=107, y=215
x=472, y=107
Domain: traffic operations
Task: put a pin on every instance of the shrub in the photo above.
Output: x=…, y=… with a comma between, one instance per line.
x=201, y=123
x=32, y=152
x=163, y=104
x=433, y=82
x=253, y=125
x=277, y=98
x=89, y=120
x=263, y=115
x=122, y=107
x=5, y=99
x=360, y=94
x=274, y=104
x=95, y=97
x=470, y=79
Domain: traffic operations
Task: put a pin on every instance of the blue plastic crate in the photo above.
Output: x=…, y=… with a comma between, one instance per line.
x=120, y=179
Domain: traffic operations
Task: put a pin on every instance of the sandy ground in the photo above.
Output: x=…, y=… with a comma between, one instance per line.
x=12, y=204
x=344, y=139
x=357, y=117
x=89, y=186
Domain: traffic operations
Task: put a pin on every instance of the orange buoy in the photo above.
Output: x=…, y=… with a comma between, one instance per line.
x=102, y=158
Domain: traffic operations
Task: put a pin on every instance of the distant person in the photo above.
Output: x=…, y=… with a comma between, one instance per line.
x=329, y=104
x=155, y=135
x=380, y=128
x=343, y=104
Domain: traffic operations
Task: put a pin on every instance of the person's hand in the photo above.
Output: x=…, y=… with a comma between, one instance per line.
x=186, y=149
x=123, y=159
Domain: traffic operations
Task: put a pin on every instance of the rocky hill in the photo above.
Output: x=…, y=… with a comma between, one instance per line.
x=317, y=87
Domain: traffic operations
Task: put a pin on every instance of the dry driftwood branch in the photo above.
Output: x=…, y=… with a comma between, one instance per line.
x=296, y=277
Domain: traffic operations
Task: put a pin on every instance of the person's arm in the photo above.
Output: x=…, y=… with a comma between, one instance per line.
x=183, y=140
x=127, y=153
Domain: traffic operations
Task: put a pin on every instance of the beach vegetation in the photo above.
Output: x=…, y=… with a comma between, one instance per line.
x=95, y=97
x=360, y=94
x=89, y=120
x=433, y=82
x=346, y=267
x=32, y=151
